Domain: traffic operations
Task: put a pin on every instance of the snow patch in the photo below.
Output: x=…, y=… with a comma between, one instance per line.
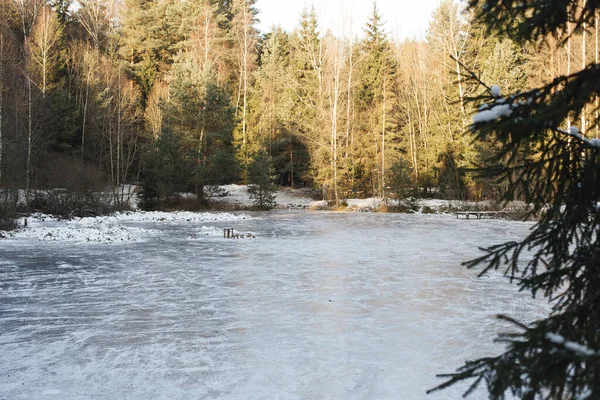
x=574, y=131
x=110, y=229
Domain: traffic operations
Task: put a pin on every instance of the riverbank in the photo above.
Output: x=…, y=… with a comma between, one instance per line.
x=108, y=227
x=236, y=198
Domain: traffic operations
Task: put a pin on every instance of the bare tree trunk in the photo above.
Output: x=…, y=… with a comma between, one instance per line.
x=245, y=74
x=568, y=62
x=349, y=97
x=206, y=67
x=85, y=106
x=334, y=121
x=29, y=133
x=461, y=94
x=291, y=165
x=583, y=60
x=383, y=117
x=119, y=138
x=110, y=144
x=596, y=61
x=413, y=146
x=26, y=27
x=1, y=100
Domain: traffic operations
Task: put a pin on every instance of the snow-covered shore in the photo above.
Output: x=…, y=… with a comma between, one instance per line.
x=237, y=197
x=135, y=226
x=116, y=228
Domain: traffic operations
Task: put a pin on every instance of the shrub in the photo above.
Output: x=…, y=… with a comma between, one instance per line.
x=8, y=211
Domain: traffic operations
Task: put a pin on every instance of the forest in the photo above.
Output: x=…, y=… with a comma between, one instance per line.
x=181, y=96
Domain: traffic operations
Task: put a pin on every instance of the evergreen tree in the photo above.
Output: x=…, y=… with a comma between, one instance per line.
x=149, y=39
x=164, y=167
x=374, y=98
x=261, y=175
x=306, y=84
x=271, y=110
x=453, y=41
x=200, y=112
x=400, y=181
x=555, y=168
x=244, y=38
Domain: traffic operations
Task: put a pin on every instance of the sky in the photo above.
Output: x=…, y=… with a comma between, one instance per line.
x=403, y=18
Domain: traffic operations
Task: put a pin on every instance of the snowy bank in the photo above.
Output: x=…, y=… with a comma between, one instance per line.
x=237, y=196
x=117, y=228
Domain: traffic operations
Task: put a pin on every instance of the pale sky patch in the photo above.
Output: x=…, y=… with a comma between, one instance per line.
x=403, y=18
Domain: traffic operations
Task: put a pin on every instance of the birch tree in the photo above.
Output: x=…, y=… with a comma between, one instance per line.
x=44, y=47
x=27, y=11
x=246, y=40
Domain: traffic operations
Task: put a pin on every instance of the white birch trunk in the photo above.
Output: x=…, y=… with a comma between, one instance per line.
x=583, y=61
x=1, y=100
x=596, y=61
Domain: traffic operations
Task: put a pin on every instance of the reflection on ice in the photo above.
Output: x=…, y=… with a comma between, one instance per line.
x=319, y=305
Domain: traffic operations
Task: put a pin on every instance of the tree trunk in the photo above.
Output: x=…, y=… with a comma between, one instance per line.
x=334, y=121
x=245, y=75
x=1, y=100
x=583, y=60
x=460, y=90
x=85, y=106
x=349, y=97
x=383, y=117
x=119, y=136
x=29, y=133
x=292, y=165
x=596, y=61
x=568, y=62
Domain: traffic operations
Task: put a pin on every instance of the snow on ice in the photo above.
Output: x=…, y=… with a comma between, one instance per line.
x=118, y=228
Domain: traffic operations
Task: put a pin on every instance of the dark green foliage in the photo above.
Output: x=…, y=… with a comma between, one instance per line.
x=378, y=60
x=532, y=20
x=64, y=120
x=558, y=172
x=149, y=36
x=201, y=115
x=261, y=175
x=451, y=177
x=290, y=159
x=8, y=207
x=165, y=172
x=400, y=179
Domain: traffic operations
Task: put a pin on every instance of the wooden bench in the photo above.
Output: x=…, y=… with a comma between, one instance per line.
x=480, y=214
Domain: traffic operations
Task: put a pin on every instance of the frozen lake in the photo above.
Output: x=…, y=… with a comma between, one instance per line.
x=317, y=306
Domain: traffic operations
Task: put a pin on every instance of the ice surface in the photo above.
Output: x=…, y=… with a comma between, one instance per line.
x=319, y=306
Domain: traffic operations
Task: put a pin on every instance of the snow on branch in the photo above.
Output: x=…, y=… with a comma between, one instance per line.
x=497, y=111
x=573, y=131
x=502, y=107
x=572, y=346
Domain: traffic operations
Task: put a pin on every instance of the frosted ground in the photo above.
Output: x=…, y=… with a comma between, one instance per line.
x=319, y=305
